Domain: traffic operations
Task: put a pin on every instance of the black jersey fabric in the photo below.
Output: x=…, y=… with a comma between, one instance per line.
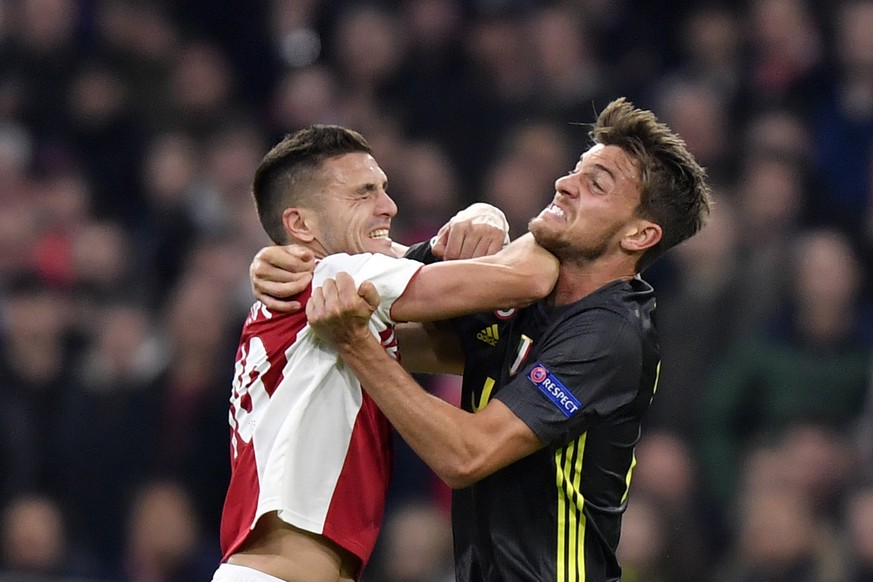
x=580, y=376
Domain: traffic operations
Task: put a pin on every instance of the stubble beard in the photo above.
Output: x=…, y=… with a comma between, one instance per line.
x=566, y=250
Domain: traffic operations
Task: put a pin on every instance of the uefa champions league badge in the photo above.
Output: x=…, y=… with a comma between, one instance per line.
x=554, y=390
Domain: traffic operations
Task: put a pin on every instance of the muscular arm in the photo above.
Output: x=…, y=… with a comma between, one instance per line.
x=518, y=275
x=278, y=273
x=459, y=446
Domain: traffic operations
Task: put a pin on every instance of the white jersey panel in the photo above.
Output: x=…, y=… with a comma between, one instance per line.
x=302, y=439
x=386, y=274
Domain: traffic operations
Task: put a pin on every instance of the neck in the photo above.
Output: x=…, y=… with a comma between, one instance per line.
x=576, y=281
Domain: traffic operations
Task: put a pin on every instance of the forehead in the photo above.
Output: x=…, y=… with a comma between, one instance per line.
x=612, y=159
x=351, y=170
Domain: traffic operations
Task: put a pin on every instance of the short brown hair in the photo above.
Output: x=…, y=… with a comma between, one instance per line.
x=674, y=189
x=284, y=176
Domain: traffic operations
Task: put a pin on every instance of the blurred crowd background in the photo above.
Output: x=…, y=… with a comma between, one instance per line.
x=129, y=134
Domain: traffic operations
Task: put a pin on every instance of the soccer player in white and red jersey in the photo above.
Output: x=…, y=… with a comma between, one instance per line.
x=310, y=452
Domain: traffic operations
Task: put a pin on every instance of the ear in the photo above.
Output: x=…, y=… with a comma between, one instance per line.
x=640, y=236
x=300, y=224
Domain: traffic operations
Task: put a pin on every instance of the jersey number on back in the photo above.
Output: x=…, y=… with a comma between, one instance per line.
x=248, y=391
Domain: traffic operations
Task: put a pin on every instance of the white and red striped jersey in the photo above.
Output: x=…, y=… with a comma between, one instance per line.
x=305, y=440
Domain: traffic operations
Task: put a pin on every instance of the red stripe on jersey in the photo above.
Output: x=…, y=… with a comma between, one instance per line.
x=240, y=503
x=276, y=332
x=358, y=504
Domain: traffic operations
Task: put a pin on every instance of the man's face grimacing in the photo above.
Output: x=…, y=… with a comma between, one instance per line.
x=355, y=210
x=593, y=207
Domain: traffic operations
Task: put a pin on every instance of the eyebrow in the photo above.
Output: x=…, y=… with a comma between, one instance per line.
x=603, y=168
x=370, y=186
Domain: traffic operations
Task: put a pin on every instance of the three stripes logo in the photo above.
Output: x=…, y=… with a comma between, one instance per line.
x=489, y=335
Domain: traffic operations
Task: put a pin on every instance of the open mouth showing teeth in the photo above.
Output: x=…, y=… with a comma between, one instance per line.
x=555, y=210
x=381, y=233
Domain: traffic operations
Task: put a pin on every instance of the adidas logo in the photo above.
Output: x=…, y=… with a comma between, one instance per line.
x=489, y=335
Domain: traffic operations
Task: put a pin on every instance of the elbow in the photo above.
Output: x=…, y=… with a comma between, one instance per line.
x=456, y=484
x=535, y=285
x=539, y=274
x=457, y=481
x=460, y=475
x=542, y=285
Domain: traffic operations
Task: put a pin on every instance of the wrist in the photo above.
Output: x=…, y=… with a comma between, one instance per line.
x=361, y=346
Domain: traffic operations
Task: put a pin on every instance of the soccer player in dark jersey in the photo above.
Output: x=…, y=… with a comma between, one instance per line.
x=541, y=453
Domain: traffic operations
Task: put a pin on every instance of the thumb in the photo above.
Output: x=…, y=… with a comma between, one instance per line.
x=438, y=243
x=302, y=253
x=367, y=291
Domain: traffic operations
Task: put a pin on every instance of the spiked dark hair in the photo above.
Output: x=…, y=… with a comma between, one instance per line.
x=285, y=177
x=674, y=189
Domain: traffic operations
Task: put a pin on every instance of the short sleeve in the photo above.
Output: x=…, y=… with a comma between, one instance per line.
x=390, y=275
x=588, y=367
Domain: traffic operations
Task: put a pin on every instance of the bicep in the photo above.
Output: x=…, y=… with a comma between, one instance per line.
x=454, y=288
x=503, y=438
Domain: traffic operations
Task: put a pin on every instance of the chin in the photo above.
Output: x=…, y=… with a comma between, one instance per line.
x=540, y=230
x=549, y=238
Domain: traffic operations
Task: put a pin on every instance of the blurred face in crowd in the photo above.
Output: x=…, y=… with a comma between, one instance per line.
x=354, y=210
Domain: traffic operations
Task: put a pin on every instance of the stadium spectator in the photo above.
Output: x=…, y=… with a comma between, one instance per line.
x=809, y=362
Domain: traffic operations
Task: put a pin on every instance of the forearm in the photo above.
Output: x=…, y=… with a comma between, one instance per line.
x=460, y=447
x=517, y=276
x=436, y=430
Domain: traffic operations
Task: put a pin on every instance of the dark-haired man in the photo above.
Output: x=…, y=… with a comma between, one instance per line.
x=310, y=451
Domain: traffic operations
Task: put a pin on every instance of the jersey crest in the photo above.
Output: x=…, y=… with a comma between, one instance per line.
x=505, y=313
x=521, y=353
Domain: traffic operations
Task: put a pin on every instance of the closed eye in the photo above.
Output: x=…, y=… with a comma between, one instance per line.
x=596, y=186
x=370, y=189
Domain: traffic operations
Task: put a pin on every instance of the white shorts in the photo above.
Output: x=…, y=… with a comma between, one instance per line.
x=235, y=573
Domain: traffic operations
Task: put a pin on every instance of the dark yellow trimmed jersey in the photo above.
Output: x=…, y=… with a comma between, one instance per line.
x=581, y=376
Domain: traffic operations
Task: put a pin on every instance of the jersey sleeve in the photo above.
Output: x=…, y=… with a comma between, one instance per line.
x=390, y=275
x=588, y=367
x=423, y=252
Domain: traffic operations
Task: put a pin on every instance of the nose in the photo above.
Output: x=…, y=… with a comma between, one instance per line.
x=566, y=185
x=386, y=205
